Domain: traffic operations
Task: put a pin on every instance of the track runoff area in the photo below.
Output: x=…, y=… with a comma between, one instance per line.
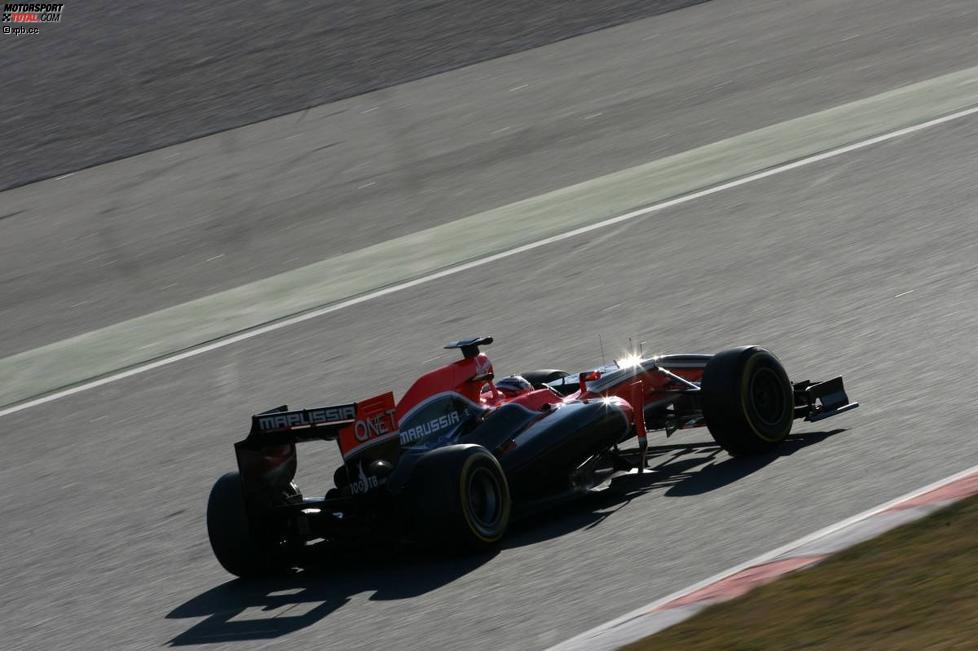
x=798, y=555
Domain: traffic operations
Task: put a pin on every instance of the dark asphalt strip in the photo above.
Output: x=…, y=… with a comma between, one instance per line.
x=113, y=80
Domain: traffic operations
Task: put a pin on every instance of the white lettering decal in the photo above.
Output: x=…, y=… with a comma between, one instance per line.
x=373, y=426
x=310, y=417
x=421, y=431
x=363, y=483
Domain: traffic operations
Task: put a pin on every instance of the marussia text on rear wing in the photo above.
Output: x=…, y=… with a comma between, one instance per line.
x=302, y=424
x=354, y=426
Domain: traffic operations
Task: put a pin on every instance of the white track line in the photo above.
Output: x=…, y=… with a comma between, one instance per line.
x=580, y=641
x=363, y=298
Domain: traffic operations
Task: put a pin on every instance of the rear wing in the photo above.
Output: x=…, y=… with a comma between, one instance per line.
x=280, y=426
x=366, y=431
x=355, y=426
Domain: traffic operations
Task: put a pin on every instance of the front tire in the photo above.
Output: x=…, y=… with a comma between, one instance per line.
x=748, y=401
x=232, y=537
x=461, y=497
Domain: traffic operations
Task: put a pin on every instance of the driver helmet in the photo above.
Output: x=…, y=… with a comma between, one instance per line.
x=514, y=385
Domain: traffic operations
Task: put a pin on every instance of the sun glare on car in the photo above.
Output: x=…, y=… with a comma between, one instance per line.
x=629, y=361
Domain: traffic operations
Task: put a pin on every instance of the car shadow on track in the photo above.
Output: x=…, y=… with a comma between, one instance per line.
x=678, y=470
x=260, y=609
x=269, y=608
x=725, y=471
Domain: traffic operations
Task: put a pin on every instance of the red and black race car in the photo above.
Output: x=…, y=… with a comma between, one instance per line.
x=460, y=450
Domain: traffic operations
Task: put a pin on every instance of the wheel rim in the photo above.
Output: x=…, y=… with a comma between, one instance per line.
x=767, y=396
x=485, y=503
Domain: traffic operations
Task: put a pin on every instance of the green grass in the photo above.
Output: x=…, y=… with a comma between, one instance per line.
x=913, y=588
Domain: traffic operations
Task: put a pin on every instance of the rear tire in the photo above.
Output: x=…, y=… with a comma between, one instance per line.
x=233, y=540
x=748, y=401
x=461, y=497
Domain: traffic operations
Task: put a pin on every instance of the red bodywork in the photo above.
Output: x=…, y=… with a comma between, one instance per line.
x=641, y=383
x=472, y=377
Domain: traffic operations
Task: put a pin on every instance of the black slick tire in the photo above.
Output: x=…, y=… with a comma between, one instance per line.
x=232, y=537
x=748, y=402
x=460, y=498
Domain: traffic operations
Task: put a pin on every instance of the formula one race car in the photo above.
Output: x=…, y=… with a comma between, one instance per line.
x=451, y=460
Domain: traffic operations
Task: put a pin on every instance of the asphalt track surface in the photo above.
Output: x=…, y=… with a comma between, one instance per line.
x=864, y=264
x=113, y=80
